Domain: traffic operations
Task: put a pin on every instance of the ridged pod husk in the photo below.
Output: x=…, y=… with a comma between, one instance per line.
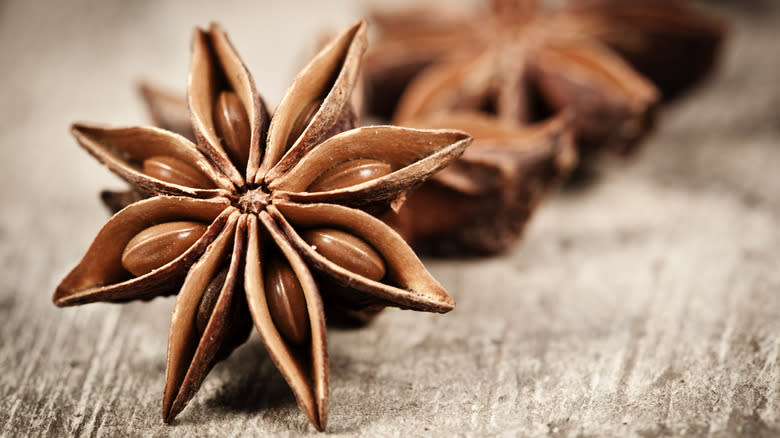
x=227, y=223
x=100, y=276
x=481, y=203
x=522, y=63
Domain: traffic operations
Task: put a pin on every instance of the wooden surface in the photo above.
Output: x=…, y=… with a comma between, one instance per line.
x=643, y=305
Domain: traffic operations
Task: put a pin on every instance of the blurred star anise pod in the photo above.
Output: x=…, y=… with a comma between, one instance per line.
x=262, y=221
x=524, y=81
x=523, y=63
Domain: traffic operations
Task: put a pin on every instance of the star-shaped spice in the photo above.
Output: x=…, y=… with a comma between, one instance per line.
x=522, y=63
x=518, y=62
x=264, y=221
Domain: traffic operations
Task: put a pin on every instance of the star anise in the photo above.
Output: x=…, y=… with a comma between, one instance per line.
x=285, y=223
x=518, y=62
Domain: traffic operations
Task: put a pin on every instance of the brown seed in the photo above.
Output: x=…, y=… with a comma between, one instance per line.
x=350, y=173
x=286, y=301
x=349, y=252
x=175, y=171
x=302, y=121
x=209, y=300
x=159, y=244
x=232, y=126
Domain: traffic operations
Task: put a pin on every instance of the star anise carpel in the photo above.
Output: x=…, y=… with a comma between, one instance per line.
x=263, y=219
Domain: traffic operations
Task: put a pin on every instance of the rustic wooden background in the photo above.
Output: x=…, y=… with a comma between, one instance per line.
x=647, y=304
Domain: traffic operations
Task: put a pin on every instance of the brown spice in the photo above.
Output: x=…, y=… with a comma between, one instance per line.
x=561, y=75
x=522, y=64
x=237, y=212
x=517, y=62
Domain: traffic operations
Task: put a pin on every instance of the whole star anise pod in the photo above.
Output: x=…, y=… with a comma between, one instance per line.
x=505, y=76
x=518, y=62
x=263, y=220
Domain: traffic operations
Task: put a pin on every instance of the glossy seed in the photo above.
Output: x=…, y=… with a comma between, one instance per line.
x=302, y=121
x=350, y=173
x=159, y=244
x=286, y=301
x=175, y=171
x=232, y=126
x=346, y=250
x=209, y=300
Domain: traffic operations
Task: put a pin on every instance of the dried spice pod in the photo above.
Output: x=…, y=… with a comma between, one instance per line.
x=223, y=219
x=669, y=41
x=481, y=203
x=517, y=62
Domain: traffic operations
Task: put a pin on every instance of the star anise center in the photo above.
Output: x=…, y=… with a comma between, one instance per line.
x=254, y=200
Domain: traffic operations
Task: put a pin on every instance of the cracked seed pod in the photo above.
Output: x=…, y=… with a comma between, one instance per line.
x=481, y=203
x=246, y=225
x=517, y=62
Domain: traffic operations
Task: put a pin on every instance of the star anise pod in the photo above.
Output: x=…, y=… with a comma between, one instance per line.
x=263, y=220
x=518, y=62
x=481, y=203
